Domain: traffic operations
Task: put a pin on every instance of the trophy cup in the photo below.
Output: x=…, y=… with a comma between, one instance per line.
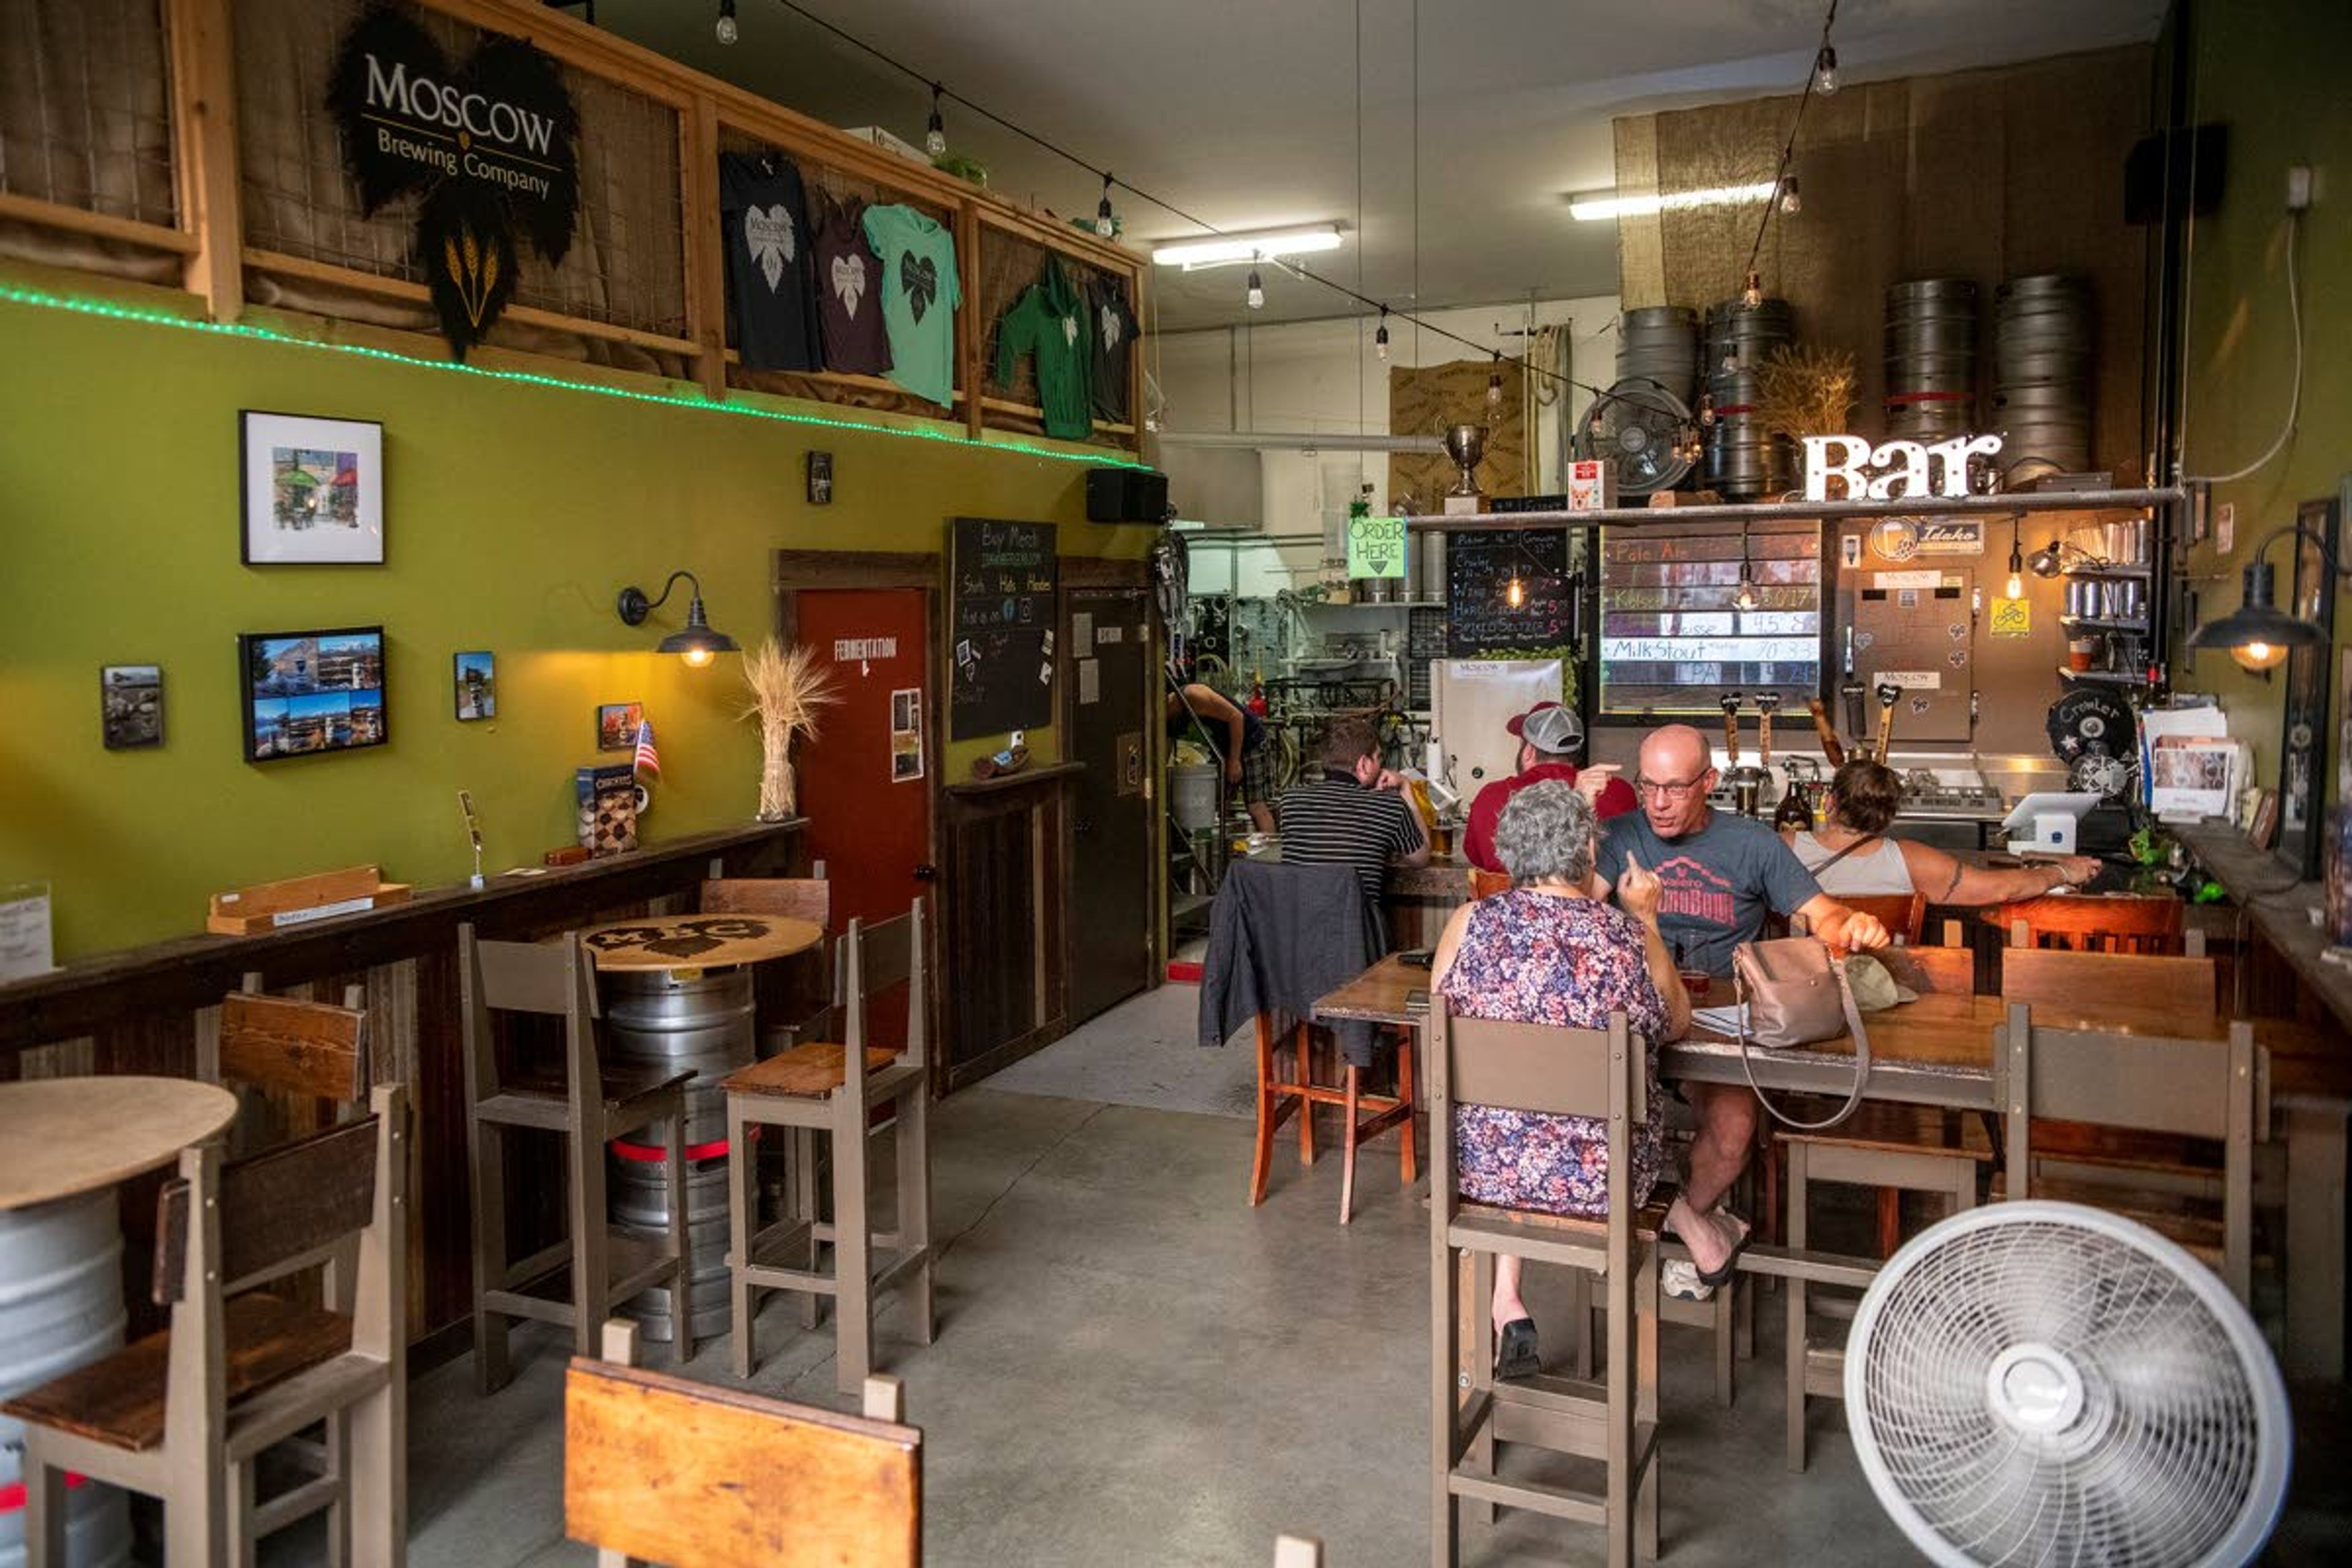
x=1465, y=444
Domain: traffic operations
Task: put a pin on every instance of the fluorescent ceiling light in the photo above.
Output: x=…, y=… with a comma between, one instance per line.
x=1247, y=247
x=1602, y=204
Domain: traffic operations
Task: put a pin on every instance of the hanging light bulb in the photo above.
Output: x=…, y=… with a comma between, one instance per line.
x=1256, y=294
x=727, y=31
x=1753, y=294
x=2259, y=657
x=1744, y=597
x=1494, y=384
x=1791, y=202
x=1706, y=409
x=2016, y=584
x=1514, y=592
x=1105, y=224
x=1825, y=75
x=1381, y=337
x=935, y=135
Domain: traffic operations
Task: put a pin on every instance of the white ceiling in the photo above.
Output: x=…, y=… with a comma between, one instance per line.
x=1244, y=113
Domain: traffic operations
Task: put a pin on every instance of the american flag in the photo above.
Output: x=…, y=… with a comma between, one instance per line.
x=648, y=760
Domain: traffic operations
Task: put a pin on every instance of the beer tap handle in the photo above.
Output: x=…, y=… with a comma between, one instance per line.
x=1731, y=729
x=1833, y=750
x=1888, y=695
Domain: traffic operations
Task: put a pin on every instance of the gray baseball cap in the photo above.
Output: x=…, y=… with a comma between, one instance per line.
x=1549, y=727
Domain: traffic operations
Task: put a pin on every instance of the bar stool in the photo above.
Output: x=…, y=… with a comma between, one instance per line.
x=577, y=1282
x=833, y=1088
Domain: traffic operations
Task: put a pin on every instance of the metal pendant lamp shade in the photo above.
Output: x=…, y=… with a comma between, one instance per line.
x=2258, y=621
x=696, y=641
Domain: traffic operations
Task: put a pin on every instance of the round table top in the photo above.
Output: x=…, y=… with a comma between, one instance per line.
x=61, y=1136
x=696, y=942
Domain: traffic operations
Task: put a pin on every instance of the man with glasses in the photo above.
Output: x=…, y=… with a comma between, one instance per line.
x=1719, y=875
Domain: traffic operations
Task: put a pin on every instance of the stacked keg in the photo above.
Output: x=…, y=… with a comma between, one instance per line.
x=61, y=1308
x=2042, y=371
x=702, y=1024
x=1660, y=344
x=1743, y=461
x=1931, y=358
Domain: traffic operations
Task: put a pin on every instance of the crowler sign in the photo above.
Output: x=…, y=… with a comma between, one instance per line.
x=492, y=145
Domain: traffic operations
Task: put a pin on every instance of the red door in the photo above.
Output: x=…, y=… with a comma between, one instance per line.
x=866, y=780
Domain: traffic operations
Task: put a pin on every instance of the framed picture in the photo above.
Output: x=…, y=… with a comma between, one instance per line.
x=476, y=676
x=313, y=490
x=2302, y=755
x=616, y=725
x=307, y=693
x=131, y=706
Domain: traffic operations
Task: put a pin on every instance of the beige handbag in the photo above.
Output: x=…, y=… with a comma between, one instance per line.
x=1794, y=992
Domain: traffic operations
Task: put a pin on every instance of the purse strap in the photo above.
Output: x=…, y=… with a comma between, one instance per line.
x=1861, y=843
x=1854, y=1027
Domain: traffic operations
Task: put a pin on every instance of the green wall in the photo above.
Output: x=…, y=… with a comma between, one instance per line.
x=2272, y=70
x=515, y=514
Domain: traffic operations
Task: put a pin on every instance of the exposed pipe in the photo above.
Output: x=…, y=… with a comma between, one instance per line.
x=1810, y=510
x=1301, y=441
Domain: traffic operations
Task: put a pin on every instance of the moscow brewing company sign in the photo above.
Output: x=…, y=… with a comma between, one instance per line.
x=1892, y=469
x=492, y=147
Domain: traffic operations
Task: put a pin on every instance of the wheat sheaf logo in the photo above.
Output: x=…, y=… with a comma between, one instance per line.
x=491, y=146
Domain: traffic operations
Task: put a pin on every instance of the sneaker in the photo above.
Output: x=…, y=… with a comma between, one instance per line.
x=1680, y=1279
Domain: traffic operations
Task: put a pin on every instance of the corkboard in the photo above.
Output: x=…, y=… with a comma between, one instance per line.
x=1426, y=400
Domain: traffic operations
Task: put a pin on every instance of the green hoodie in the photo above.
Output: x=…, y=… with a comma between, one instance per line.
x=1050, y=321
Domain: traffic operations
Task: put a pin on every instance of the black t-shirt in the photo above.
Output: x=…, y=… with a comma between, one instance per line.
x=849, y=294
x=1111, y=328
x=765, y=223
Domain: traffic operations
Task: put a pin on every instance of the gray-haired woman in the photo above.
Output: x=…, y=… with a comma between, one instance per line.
x=1544, y=952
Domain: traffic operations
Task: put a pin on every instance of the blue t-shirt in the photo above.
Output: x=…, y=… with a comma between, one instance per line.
x=1715, y=885
x=920, y=295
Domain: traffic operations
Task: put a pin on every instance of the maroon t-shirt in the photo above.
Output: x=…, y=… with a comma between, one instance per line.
x=1617, y=798
x=849, y=294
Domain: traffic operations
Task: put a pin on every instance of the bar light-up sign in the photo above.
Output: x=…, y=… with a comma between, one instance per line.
x=1892, y=469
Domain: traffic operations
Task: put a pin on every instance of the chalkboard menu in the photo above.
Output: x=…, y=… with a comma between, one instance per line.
x=1480, y=564
x=1000, y=626
x=1672, y=640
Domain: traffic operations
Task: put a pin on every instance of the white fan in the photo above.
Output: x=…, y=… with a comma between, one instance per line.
x=2044, y=1383
x=1643, y=432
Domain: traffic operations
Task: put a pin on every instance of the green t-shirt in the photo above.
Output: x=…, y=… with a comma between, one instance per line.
x=920, y=296
x=1049, y=319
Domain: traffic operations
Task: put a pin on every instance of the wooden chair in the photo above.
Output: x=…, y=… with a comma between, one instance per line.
x=1485, y=884
x=1932, y=971
x=1578, y=1072
x=181, y=1414
x=575, y=1282
x=2147, y=1083
x=834, y=1089
x=2103, y=924
x=1896, y=1149
x=1363, y=1114
x=1905, y=915
x=794, y=897
x=661, y=1468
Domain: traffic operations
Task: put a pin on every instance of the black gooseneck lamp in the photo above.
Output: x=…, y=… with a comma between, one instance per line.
x=696, y=642
x=2258, y=634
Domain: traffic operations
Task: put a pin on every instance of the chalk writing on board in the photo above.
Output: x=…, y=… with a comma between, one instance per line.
x=1481, y=565
x=1003, y=578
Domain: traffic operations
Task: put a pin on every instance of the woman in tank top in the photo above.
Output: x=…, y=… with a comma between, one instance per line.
x=1850, y=854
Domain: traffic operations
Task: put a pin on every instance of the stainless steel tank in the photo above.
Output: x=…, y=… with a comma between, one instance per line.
x=61, y=1308
x=1931, y=358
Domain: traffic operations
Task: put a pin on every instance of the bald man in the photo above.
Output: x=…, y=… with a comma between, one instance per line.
x=1718, y=877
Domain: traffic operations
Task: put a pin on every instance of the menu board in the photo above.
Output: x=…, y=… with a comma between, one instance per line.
x=1672, y=641
x=1001, y=614
x=1480, y=564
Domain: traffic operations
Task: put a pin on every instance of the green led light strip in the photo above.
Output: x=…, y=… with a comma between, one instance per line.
x=15, y=294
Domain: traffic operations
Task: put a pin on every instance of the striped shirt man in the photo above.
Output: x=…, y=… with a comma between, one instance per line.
x=1339, y=821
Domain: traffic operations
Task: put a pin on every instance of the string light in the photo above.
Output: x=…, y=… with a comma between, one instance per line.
x=1381, y=337
x=1515, y=593
x=1495, y=383
x=1255, y=295
x=1105, y=224
x=1825, y=75
x=2016, y=584
x=1753, y=295
x=935, y=135
x=1791, y=202
x=1744, y=597
x=727, y=31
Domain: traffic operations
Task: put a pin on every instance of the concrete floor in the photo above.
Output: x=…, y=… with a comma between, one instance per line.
x=1134, y=1367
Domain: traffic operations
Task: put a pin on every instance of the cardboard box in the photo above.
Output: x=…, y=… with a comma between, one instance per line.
x=1592, y=484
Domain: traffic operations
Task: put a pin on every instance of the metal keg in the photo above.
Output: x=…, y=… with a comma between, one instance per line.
x=1743, y=461
x=1741, y=335
x=2043, y=369
x=1660, y=344
x=681, y=1020
x=1931, y=358
x=61, y=1308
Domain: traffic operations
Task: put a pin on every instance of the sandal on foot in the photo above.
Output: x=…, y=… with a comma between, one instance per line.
x=1515, y=1350
x=1722, y=1276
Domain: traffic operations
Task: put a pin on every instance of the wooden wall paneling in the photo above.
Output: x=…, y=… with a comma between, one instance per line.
x=441, y=1227
x=706, y=270
x=972, y=336
x=204, y=125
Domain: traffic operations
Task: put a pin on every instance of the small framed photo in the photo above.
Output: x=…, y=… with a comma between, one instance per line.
x=306, y=692
x=476, y=679
x=313, y=490
x=131, y=706
x=820, y=479
x=616, y=725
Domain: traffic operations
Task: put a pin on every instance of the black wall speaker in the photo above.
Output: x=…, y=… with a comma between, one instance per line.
x=1127, y=495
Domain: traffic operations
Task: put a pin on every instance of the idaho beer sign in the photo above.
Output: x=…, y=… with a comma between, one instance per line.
x=1891, y=470
x=490, y=145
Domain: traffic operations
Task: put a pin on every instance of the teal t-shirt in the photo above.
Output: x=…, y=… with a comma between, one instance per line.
x=920, y=296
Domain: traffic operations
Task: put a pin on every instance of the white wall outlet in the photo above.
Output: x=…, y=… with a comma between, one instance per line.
x=2298, y=188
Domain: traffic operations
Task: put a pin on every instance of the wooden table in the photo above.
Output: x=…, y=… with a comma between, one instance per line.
x=696, y=942
x=61, y=1137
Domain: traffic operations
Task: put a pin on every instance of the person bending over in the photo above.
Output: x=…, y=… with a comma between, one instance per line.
x=1234, y=734
x=1718, y=876
x=1548, y=737
x=1546, y=952
x=1850, y=854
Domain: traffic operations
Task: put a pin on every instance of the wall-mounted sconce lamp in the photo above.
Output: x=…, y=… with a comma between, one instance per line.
x=2258, y=634
x=694, y=641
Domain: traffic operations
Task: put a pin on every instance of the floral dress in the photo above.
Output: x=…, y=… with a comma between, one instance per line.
x=1532, y=958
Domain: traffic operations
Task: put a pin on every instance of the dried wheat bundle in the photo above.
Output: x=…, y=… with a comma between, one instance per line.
x=788, y=685
x=1804, y=391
